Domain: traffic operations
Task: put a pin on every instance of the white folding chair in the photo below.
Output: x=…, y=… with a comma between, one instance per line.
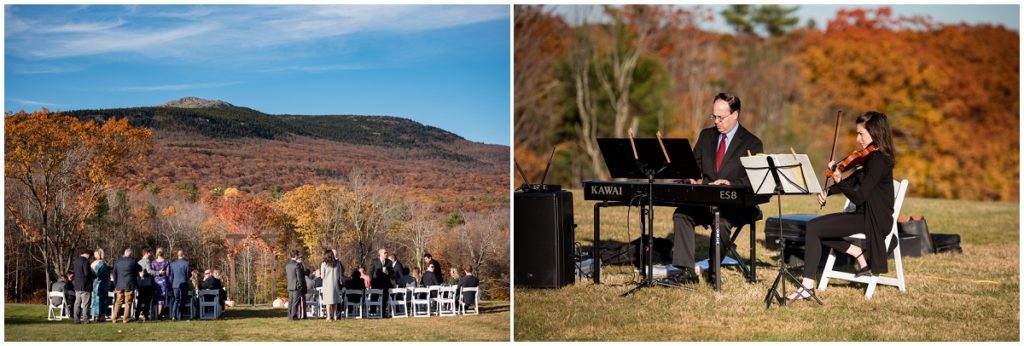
x=899, y=281
x=374, y=303
x=397, y=302
x=445, y=300
x=475, y=302
x=354, y=303
x=433, y=297
x=59, y=308
x=321, y=307
x=421, y=302
x=209, y=304
x=312, y=306
x=128, y=306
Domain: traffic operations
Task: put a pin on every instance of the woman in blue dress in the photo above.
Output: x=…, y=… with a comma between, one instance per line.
x=101, y=287
x=160, y=293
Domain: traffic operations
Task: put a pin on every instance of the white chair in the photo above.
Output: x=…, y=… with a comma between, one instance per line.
x=873, y=280
x=434, y=290
x=476, y=300
x=374, y=303
x=408, y=297
x=209, y=304
x=354, y=303
x=130, y=306
x=59, y=308
x=421, y=302
x=397, y=302
x=445, y=300
x=313, y=305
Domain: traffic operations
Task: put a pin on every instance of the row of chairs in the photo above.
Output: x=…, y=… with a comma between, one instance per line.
x=402, y=302
x=206, y=304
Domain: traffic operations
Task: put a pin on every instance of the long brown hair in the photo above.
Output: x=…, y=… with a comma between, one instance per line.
x=329, y=258
x=877, y=125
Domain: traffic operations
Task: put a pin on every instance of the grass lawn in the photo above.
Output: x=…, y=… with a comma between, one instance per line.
x=969, y=296
x=27, y=322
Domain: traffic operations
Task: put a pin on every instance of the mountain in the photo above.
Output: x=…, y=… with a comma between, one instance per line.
x=212, y=143
x=195, y=102
x=219, y=119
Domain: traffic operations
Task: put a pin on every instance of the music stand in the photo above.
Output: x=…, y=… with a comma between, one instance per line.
x=648, y=158
x=791, y=174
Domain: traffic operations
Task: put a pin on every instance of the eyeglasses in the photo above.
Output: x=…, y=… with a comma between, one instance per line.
x=717, y=118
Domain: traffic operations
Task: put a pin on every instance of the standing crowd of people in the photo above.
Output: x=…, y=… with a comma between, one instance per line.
x=158, y=288
x=386, y=272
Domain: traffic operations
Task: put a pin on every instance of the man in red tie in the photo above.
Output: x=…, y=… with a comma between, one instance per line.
x=718, y=151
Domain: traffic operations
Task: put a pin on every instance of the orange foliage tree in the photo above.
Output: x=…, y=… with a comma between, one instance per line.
x=55, y=168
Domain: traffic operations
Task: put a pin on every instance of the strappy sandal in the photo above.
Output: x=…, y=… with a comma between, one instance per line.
x=802, y=293
x=865, y=269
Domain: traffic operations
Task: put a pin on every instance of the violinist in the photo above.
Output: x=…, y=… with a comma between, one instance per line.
x=867, y=182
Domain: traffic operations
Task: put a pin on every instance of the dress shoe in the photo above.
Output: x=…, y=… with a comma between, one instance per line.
x=684, y=277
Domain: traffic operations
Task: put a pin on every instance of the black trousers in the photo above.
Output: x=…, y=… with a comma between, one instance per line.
x=829, y=230
x=685, y=218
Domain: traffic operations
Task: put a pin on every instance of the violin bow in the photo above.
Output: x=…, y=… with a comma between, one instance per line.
x=835, y=137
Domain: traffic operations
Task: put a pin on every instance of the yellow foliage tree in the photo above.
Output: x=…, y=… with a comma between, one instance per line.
x=319, y=214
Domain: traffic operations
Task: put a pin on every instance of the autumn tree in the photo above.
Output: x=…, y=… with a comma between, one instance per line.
x=248, y=240
x=55, y=168
x=319, y=215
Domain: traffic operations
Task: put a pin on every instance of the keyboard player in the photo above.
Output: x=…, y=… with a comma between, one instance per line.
x=718, y=151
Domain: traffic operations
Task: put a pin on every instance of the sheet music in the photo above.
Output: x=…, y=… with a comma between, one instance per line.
x=794, y=179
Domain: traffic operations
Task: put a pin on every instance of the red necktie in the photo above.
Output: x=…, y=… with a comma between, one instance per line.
x=721, y=154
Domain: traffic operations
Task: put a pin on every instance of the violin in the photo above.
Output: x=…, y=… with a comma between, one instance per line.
x=851, y=163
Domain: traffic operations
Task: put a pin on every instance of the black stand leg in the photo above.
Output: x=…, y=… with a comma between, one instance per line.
x=774, y=293
x=647, y=232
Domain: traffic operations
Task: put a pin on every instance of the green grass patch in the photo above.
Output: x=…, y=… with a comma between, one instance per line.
x=27, y=322
x=950, y=297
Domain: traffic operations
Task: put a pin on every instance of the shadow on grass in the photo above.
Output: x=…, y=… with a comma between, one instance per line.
x=237, y=314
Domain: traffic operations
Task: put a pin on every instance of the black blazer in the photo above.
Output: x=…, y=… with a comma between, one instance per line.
x=872, y=190
x=83, y=275
x=438, y=273
x=732, y=169
x=430, y=279
x=376, y=265
x=397, y=270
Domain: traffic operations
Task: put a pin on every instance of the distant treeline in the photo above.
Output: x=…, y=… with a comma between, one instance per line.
x=240, y=122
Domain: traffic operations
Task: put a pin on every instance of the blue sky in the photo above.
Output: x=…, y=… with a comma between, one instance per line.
x=1007, y=15
x=446, y=66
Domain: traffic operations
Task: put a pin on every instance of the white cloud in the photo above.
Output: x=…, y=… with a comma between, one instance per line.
x=203, y=31
x=43, y=69
x=171, y=87
x=35, y=103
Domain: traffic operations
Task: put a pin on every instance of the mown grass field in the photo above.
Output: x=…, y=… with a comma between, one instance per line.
x=950, y=297
x=27, y=322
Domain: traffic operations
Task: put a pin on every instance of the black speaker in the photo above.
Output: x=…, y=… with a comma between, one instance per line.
x=544, y=239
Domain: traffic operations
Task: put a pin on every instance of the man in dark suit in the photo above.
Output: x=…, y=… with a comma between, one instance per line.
x=296, y=283
x=381, y=273
x=468, y=280
x=146, y=308
x=178, y=276
x=430, y=276
x=83, y=278
x=126, y=275
x=718, y=151
x=428, y=261
x=397, y=269
x=381, y=263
